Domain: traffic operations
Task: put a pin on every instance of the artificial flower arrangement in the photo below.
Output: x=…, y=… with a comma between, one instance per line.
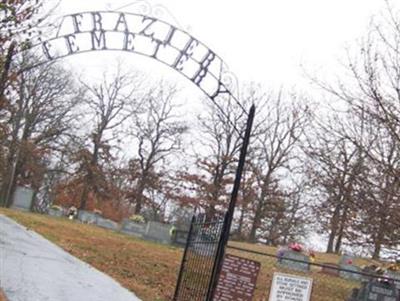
x=136, y=218
x=72, y=212
x=295, y=247
x=97, y=211
x=395, y=266
x=56, y=207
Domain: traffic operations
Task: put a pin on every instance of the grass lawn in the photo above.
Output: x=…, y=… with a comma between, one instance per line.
x=147, y=269
x=150, y=269
x=2, y=296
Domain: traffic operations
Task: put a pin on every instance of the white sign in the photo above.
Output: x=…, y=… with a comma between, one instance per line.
x=287, y=287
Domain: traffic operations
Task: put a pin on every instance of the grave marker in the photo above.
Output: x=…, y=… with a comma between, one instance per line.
x=350, y=272
x=106, y=223
x=346, y=259
x=87, y=217
x=22, y=198
x=158, y=232
x=330, y=269
x=376, y=291
x=395, y=276
x=295, y=260
x=55, y=212
x=131, y=228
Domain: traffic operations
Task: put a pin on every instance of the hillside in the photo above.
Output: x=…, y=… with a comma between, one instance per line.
x=149, y=269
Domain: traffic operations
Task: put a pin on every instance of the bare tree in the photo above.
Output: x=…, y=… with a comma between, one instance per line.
x=378, y=218
x=335, y=166
x=208, y=186
x=106, y=104
x=369, y=94
x=19, y=22
x=158, y=133
x=274, y=152
x=39, y=118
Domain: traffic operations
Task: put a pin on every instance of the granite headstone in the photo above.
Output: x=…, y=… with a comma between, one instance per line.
x=22, y=198
x=55, y=212
x=87, y=217
x=375, y=291
x=295, y=261
x=350, y=272
x=330, y=269
x=158, y=232
x=107, y=223
x=131, y=228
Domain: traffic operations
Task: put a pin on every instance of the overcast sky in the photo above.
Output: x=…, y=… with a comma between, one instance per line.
x=263, y=41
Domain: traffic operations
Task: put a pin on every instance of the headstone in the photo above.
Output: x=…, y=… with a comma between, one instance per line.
x=107, y=224
x=87, y=217
x=22, y=198
x=346, y=259
x=287, y=287
x=395, y=276
x=350, y=272
x=369, y=273
x=131, y=228
x=180, y=237
x=376, y=291
x=55, y=212
x=237, y=280
x=295, y=261
x=330, y=269
x=158, y=232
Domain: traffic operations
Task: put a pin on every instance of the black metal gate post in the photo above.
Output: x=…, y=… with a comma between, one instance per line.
x=198, y=259
x=205, y=246
x=183, y=263
x=229, y=215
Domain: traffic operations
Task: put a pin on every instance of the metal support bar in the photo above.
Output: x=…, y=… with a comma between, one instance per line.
x=229, y=215
x=182, y=268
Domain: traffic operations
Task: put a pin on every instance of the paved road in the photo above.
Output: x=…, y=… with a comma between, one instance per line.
x=34, y=269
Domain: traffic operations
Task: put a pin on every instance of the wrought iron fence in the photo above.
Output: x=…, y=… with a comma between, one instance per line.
x=331, y=282
x=198, y=262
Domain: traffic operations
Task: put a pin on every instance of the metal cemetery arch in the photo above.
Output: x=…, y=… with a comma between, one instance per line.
x=176, y=48
x=143, y=35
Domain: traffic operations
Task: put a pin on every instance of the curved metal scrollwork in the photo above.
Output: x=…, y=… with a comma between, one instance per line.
x=144, y=35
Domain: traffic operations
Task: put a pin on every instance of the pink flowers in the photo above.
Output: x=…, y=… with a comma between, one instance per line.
x=296, y=247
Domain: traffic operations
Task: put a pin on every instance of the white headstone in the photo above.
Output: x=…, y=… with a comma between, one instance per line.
x=22, y=198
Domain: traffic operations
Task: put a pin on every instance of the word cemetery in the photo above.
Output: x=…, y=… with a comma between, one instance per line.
x=144, y=35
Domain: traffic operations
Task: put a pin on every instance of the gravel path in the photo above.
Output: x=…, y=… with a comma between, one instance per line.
x=34, y=269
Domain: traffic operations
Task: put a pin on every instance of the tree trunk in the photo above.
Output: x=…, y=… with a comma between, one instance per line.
x=258, y=212
x=4, y=73
x=333, y=229
x=139, y=195
x=380, y=236
x=340, y=232
x=256, y=224
x=138, y=205
x=84, y=196
x=210, y=213
x=329, y=248
x=12, y=182
x=377, y=250
x=338, y=244
x=240, y=226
